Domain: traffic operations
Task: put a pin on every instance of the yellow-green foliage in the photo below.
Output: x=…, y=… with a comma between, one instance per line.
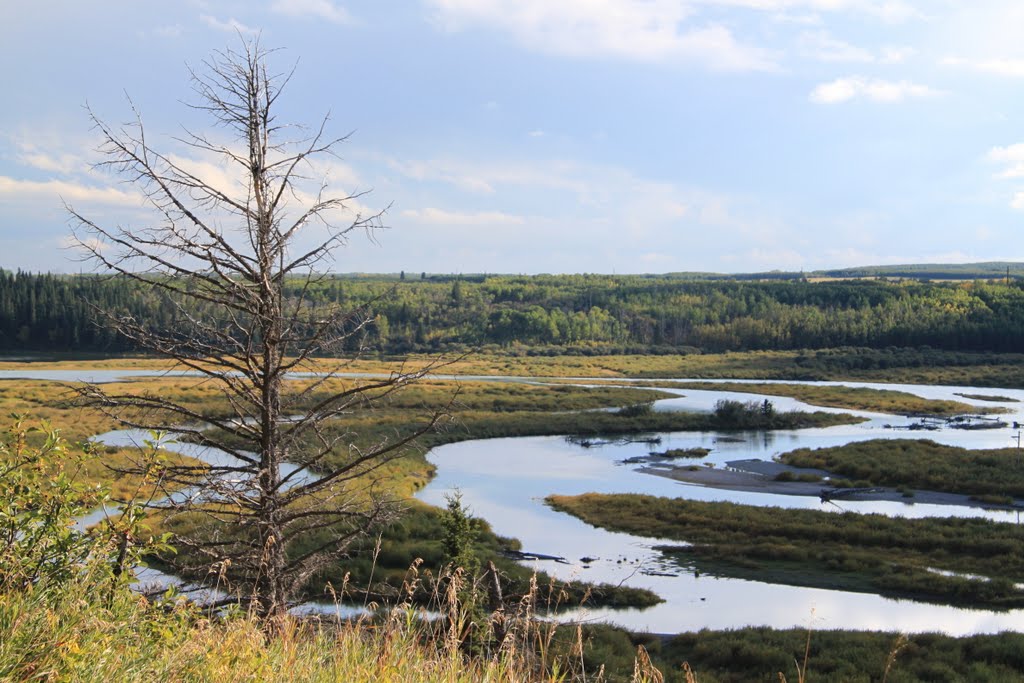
x=72, y=637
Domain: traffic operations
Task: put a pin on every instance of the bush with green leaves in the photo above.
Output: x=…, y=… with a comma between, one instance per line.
x=43, y=497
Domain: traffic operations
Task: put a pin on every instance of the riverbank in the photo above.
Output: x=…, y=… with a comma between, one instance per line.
x=968, y=562
x=854, y=398
x=759, y=476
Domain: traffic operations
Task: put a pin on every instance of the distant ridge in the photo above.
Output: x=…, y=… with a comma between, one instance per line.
x=985, y=270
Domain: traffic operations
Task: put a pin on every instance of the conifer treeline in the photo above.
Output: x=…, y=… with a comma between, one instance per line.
x=614, y=313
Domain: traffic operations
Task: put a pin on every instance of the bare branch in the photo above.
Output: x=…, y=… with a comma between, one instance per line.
x=220, y=259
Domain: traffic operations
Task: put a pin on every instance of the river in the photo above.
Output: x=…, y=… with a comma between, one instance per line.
x=506, y=480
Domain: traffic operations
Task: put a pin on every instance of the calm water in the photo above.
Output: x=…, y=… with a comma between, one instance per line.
x=505, y=481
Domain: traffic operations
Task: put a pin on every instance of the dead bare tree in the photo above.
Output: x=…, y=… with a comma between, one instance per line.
x=290, y=490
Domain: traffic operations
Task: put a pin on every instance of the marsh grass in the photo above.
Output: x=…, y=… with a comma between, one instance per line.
x=857, y=552
x=376, y=567
x=696, y=452
x=853, y=398
x=66, y=636
x=891, y=364
x=994, y=476
x=988, y=397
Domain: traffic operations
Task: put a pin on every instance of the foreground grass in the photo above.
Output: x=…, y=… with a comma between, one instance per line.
x=921, y=464
x=71, y=635
x=848, y=551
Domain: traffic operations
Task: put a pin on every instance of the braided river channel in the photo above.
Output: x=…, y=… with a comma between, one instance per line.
x=506, y=480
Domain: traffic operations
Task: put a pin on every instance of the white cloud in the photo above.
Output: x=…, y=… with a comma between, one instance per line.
x=1012, y=157
x=435, y=216
x=807, y=19
x=172, y=31
x=875, y=90
x=442, y=171
x=823, y=47
x=895, y=55
x=890, y=11
x=91, y=244
x=659, y=260
x=646, y=31
x=774, y=258
x=1013, y=153
x=597, y=204
x=1013, y=68
x=17, y=189
x=322, y=9
x=63, y=162
x=536, y=134
x=211, y=170
x=232, y=25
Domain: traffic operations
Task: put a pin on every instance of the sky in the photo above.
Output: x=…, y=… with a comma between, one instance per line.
x=558, y=136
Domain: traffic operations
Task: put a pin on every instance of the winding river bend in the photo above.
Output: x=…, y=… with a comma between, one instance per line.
x=505, y=481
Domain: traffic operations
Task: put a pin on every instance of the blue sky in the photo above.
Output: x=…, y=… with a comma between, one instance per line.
x=526, y=136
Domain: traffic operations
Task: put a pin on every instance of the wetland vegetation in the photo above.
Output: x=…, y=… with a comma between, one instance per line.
x=853, y=398
x=830, y=656
x=482, y=410
x=921, y=464
x=856, y=552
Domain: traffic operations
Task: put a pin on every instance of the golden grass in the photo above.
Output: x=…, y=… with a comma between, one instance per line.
x=888, y=365
x=855, y=398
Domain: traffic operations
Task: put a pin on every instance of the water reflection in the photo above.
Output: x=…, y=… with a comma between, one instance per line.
x=506, y=480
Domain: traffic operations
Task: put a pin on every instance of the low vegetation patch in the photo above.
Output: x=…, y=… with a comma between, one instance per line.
x=987, y=397
x=682, y=453
x=921, y=464
x=833, y=656
x=865, y=553
x=853, y=398
x=790, y=475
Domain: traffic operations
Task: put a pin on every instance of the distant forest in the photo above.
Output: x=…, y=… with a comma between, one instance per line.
x=565, y=313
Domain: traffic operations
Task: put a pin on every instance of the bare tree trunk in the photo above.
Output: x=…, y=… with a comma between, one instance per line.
x=266, y=531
